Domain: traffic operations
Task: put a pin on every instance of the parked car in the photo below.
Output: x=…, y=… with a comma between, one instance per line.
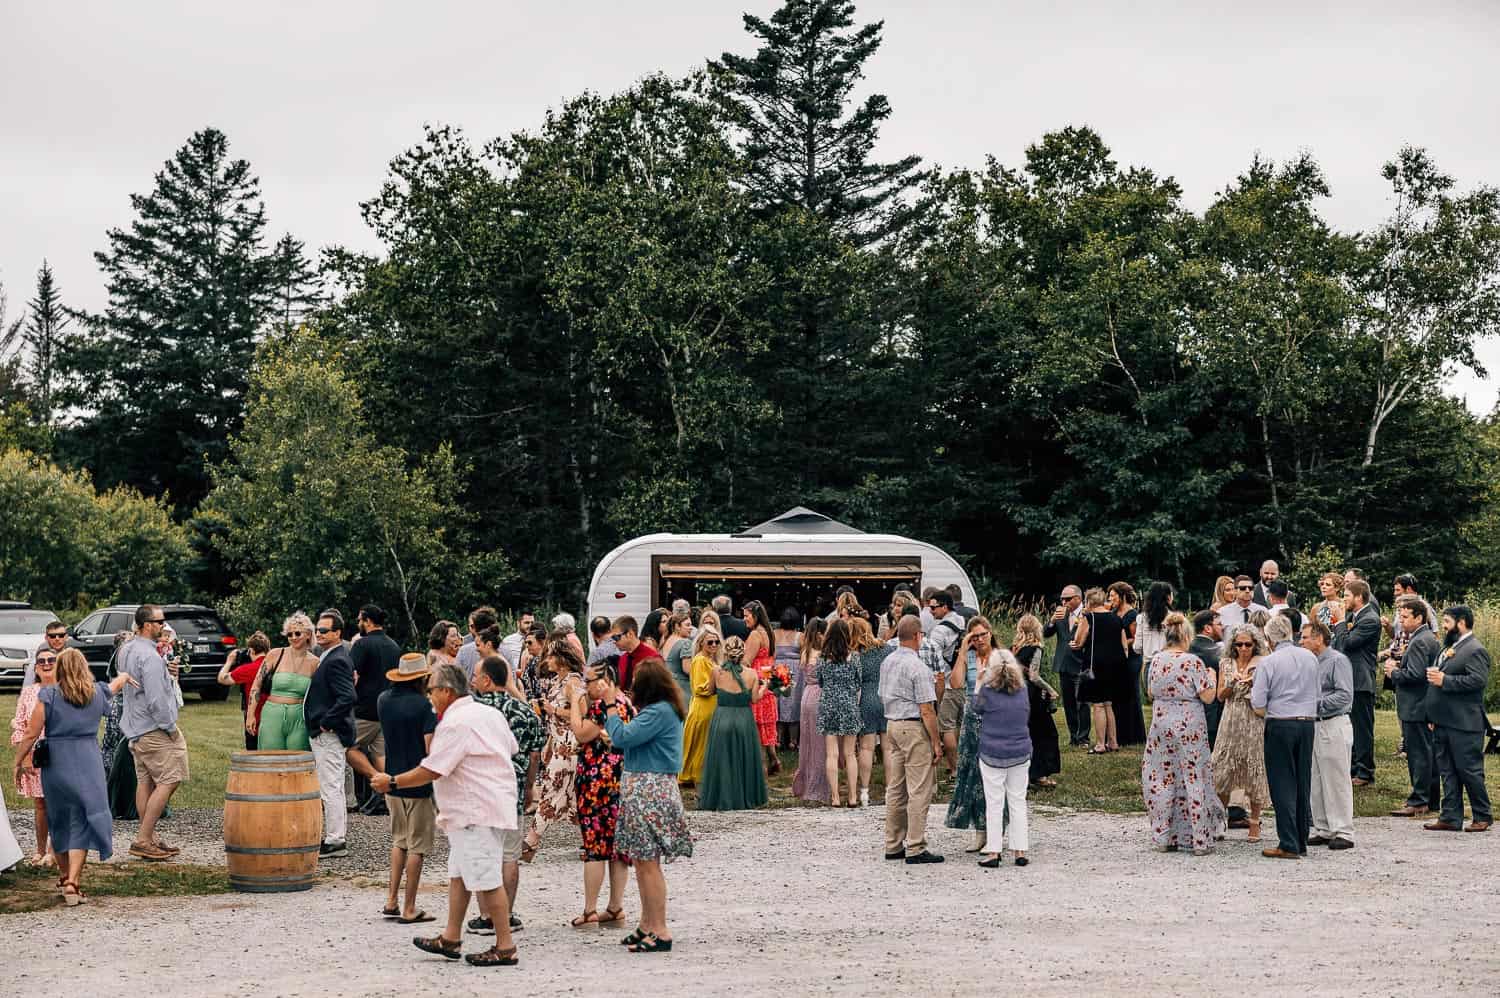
x=23, y=629
x=208, y=641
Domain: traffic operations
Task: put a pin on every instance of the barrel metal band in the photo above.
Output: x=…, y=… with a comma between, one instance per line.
x=290, y=878
x=270, y=850
x=272, y=798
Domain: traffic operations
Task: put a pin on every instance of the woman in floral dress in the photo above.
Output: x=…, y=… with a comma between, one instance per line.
x=555, y=791
x=29, y=781
x=1177, y=778
x=597, y=793
x=838, y=710
x=1240, y=750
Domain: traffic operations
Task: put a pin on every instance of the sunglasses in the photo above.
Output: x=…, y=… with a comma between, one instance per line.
x=58, y=636
x=1244, y=644
x=325, y=630
x=1245, y=589
x=980, y=634
x=294, y=634
x=710, y=644
x=48, y=660
x=158, y=620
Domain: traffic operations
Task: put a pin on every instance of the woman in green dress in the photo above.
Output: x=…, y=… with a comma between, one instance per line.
x=734, y=776
x=285, y=673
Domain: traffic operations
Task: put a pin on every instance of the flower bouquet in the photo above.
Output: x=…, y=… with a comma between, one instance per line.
x=779, y=679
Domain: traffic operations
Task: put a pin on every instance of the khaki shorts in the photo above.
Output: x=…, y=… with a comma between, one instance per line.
x=162, y=757
x=511, y=842
x=413, y=823
x=368, y=739
x=951, y=709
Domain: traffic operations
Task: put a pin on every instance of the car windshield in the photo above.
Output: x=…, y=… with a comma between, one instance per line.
x=25, y=621
x=190, y=625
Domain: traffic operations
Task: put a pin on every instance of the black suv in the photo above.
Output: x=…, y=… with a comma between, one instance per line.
x=208, y=640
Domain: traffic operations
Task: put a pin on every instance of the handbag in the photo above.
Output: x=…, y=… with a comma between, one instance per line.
x=1087, y=672
x=41, y=754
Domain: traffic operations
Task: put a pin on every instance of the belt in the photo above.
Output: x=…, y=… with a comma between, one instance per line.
x=1333, y=717
x=898, y=720
x=1291, y=718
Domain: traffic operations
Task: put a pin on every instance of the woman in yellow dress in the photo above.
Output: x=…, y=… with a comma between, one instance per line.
x=707, y=655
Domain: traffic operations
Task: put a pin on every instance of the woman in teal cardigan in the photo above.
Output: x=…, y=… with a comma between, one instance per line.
x=652, y=826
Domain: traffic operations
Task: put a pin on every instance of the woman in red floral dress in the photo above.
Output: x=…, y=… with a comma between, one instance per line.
x=597, y=788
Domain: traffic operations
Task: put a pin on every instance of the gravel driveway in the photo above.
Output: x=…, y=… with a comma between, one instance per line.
x=799, y=902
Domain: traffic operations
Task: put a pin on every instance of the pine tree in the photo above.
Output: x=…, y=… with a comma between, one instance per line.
x=805, y=146
x=43, y=338
x=299, y=285
x=162, y=371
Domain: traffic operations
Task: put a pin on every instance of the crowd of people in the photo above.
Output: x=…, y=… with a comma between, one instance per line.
x=497, y=739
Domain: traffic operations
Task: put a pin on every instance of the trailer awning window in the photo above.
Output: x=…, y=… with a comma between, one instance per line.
x=822, y=569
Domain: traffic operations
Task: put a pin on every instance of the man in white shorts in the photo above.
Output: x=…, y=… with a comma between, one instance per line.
x=473, y=777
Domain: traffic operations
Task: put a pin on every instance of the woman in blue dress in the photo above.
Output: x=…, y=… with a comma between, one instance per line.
x=73, y=778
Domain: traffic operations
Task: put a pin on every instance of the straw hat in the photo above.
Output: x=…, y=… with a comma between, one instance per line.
x=412, y=666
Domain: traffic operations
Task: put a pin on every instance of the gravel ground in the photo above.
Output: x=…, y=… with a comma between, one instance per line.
x=799, y=902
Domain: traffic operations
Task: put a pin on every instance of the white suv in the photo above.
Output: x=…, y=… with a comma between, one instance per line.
x=23, y=629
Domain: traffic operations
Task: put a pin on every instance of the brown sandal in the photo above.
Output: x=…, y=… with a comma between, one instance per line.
x=528, y=851
x=615, y=915
x=72, y=896
x=439, y=946
x=590, y=917
x=493, y=957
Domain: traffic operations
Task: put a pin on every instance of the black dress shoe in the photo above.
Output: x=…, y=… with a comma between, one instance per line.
x=1317, y=840
x=898, y=854
x=1340, y=844
x=990, y=864
x=923, y=857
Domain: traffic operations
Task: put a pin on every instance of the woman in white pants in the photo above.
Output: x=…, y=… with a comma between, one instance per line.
x=1002, y=707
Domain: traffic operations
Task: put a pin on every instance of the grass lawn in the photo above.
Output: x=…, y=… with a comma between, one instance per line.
x=30, y=889
x=213, y=730
x=1109, y=783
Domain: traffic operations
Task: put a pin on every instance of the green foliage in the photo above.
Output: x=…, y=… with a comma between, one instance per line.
x=310, y=510
x=66, y=548
x=162, y=370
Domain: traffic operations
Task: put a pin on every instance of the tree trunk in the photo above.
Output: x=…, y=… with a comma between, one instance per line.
x=1265, y=444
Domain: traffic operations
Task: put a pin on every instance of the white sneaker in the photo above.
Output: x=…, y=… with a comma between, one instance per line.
x=864, y=797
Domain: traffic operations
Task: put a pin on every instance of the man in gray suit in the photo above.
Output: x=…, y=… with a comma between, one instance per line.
x=1409, y=675
x=1065, y=661
x=1358, y=637
x=1455, y=709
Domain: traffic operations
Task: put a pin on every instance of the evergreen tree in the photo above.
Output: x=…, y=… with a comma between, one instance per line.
x=806, y=147
x=162, y=371
x=43, y=337
x=299, y=285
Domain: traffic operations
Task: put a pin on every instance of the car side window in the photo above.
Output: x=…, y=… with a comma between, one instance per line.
x=116, y=622
x=89, y=625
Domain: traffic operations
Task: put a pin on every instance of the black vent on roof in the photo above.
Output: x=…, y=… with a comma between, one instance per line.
x=799, y=520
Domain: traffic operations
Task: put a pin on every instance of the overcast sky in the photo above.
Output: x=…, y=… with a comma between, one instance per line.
x=318, y=96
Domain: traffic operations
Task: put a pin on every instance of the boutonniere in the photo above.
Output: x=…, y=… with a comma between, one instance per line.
x=1448, y=653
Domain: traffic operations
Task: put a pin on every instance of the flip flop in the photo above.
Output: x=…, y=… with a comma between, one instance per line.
x=391, y=912
x=420, y=916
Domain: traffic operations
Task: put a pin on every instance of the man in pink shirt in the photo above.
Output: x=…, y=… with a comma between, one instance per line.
x=474, y=781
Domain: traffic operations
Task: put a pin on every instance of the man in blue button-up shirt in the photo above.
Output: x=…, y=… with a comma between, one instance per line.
x=1286, y=695
x=149, y=723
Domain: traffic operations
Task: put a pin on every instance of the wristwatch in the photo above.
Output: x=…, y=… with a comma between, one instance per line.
x=393, y=783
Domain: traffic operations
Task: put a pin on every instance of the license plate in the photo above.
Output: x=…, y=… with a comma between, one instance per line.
x=205, y=647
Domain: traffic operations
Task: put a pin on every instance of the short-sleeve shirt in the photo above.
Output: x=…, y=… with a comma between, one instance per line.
x=905, y=684
x=472, y=753
x=526, y=726
x=405, y=719
x=1286, y=683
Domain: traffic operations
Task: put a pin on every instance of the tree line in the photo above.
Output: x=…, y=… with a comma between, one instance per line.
x=700, y=301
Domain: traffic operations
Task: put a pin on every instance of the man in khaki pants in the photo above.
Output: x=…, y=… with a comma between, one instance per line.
x=912, y=746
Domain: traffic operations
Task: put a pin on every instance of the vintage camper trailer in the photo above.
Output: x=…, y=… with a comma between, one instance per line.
x=797, y=559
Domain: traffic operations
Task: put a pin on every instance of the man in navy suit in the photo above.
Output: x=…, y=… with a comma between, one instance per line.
x=1409, y=675
x=1455, y=712
x=1358, y=637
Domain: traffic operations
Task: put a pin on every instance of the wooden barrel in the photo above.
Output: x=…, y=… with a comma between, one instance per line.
x=273, y=821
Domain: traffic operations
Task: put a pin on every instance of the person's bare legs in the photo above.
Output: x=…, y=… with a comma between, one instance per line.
x=458, y=907
x=43, y=847
x=851, y=764
x=866, y=763
x=619, y=875
x=510, y=879
x=73, y=862
x=652, y=884
x=593, y=879
x=495, y=906
x=1097, y=710
x=155, y=803
x=1113, y=742
x=831, y=748
x=950, y=751
x=398, y=867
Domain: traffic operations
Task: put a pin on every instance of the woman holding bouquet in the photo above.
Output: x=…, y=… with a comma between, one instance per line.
x=556, y=790
x=760, y=649
x=733, y=777
x=788, y=651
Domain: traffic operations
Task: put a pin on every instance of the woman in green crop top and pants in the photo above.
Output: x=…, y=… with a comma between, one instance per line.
x=289, y=671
